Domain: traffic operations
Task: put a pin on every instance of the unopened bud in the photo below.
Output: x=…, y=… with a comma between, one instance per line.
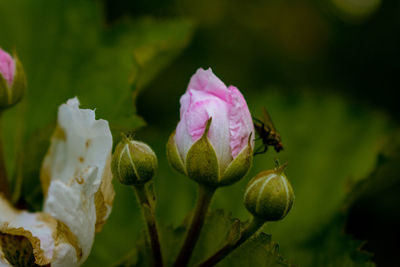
x=133, y=162
x=269, y=195
x=203, y=165
x=12, y=80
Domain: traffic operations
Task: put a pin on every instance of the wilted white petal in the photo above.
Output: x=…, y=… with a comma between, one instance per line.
x=76, y=180
x=75, y=174
x=46, y=237
x=104, y=197
x=3, y=261
x=29, y=225
x=66, y=256
x=80, y=141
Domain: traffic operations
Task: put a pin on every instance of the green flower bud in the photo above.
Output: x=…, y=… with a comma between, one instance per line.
x=133, y=162
x=269, y=195
x=12, y=80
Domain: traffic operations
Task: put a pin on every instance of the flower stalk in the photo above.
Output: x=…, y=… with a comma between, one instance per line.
x=148, y=210
x=134, y=163
x=204, y=198
x=4, y=184
x=255, y=224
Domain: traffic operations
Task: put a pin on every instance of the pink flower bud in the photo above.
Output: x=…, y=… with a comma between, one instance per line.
x=12, y=80
x=7, y=67
x=208, y=97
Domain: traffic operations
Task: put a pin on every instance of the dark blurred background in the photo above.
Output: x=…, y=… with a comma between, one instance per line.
x=345, y=47
x=350, y=46
x=326, y=71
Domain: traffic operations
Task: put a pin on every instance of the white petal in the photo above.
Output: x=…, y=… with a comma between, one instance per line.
x=73, y=204
x=104, y=197
x=76, y=179
x=66, y=256
x=48, y=240
x=75, y=169
x=79, y=141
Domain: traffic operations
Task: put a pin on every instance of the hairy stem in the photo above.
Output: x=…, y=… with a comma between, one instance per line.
x=4, y=184
x=204, y=198
x=250, y=230
x=148, y=211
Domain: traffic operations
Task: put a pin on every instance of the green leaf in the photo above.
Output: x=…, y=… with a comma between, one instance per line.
x=27, y=188
x=374, y=200
x=67, y=50
x=257, y=251
x=330, y=246
x=382, y=179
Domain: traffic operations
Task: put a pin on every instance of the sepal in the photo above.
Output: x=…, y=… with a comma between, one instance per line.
x=202, y=162
x=239, y=167
x=173, y=155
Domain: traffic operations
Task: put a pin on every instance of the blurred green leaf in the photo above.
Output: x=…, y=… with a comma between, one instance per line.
x=67, y=50
x=330, y=246
x=382, y=180
x=374, y=200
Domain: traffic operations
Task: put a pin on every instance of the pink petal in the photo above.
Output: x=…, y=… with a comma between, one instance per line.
x=203, y=106
x=205, y=80
x=240, y=121
x=207, y=96
x=7, y=66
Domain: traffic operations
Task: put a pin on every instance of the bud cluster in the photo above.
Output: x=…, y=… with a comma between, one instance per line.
x=213, y=145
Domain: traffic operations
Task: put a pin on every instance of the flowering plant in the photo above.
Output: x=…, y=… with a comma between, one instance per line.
x=212, y=145
x=67, y=51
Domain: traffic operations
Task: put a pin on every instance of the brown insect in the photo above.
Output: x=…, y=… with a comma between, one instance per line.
x=267, y=133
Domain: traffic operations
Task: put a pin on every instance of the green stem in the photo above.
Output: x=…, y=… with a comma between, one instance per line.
x=149, y=216
x=204, y=198
x=250, y=230
x=18, y=180
x=4, y=184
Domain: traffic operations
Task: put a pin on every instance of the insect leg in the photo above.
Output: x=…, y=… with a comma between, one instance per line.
x=258, y=150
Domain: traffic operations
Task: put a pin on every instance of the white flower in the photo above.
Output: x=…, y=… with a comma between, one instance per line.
x=76, y=181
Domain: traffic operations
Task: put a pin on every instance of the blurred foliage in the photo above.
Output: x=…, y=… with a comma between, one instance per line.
x=330, y=246
x=374, y=200
x=300, y=60
x=68, y=50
